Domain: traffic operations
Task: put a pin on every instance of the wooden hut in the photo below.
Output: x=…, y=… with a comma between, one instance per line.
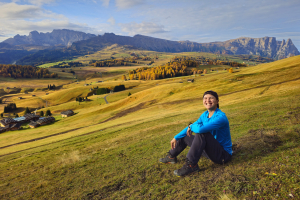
x=13, y=127
x=6, y=121
x=33, y=124
x=42, y=121
x=29, y=117
x=51, y=119
x=45, y=120
x=67, y=113
x=3, y=129
x=20, y=119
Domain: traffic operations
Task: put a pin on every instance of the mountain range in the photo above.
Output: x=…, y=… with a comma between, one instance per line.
x=37, y=48
x=62, y=37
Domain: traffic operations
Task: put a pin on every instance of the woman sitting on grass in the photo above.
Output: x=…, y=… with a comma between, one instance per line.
x=212, y=138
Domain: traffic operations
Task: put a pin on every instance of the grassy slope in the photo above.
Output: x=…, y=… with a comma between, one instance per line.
x=54, y=63
x=117, y=158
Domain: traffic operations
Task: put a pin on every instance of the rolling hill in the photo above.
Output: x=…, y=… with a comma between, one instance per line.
x=111, y=151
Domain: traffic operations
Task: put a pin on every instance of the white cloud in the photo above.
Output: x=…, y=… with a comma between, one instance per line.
x=123, y=4
x=112, y=21
x=44, y=25
x=41, y=2
x=105, y=3
x=14, y=11
x=23, y=27
x=134, y=28
x=22, y=19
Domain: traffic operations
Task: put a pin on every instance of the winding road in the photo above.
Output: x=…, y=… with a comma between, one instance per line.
x=105, y=98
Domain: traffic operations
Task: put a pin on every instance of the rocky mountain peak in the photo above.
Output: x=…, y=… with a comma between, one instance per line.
x=63, y=37
x=33, y=33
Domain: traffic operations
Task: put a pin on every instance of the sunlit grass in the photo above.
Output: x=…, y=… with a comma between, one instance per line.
x=111, y=151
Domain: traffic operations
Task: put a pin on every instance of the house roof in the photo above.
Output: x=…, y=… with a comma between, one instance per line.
x=3, y=129
x=17, y=125
x=30, y=116
x=33, y=123
x=45, y=120
x=67, y=112
x=20, y=118
x=6, y=121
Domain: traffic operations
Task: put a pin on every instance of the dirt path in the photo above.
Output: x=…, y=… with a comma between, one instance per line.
x=105, y=98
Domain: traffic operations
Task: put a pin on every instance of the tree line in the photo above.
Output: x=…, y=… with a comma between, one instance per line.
x=171, y=69
x=200, y=60
x=20, y=71
x=121, y=61
x=51, y=87
x=117, y=88
x=10, y=107
x=114, y=62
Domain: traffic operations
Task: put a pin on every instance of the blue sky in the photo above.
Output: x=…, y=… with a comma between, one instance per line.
x=194, y=20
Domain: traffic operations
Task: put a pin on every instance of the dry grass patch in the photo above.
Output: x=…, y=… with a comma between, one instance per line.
x=70, y=158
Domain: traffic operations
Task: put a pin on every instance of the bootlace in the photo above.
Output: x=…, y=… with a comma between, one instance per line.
x=187, y=164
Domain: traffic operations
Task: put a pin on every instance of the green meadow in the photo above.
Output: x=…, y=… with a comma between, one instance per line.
x=54, y=63
x=111, y=151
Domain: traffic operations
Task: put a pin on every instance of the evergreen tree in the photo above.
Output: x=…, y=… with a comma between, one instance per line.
x=26, y=110
x=42, y=113
x=48, y=113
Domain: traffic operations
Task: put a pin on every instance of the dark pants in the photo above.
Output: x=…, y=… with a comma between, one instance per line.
x=201, y=144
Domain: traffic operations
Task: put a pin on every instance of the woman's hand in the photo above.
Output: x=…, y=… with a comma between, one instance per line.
x=173, y=143
x=189, y=132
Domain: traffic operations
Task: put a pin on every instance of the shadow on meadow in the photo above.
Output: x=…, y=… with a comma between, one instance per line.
x=256, y=143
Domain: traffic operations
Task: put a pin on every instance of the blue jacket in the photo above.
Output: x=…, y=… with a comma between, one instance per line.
x=217, y=125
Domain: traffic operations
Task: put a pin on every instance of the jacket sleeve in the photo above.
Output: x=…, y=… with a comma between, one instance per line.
x=182, y=134
x=213, y=124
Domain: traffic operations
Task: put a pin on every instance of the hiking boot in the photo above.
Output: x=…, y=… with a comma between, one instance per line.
x=168, y=159
x=187, y=168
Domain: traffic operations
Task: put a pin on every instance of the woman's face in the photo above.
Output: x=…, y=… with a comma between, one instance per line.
x=210, y=102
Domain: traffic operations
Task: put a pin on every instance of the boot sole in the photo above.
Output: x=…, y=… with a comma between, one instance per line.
x=168, y=162
x=198, y=170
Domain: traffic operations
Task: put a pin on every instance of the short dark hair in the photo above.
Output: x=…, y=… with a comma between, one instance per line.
x=212, y=93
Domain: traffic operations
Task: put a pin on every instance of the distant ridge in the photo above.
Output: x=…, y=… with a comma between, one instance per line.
x=265, y=47
x=64, y=44
x=63, y=37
